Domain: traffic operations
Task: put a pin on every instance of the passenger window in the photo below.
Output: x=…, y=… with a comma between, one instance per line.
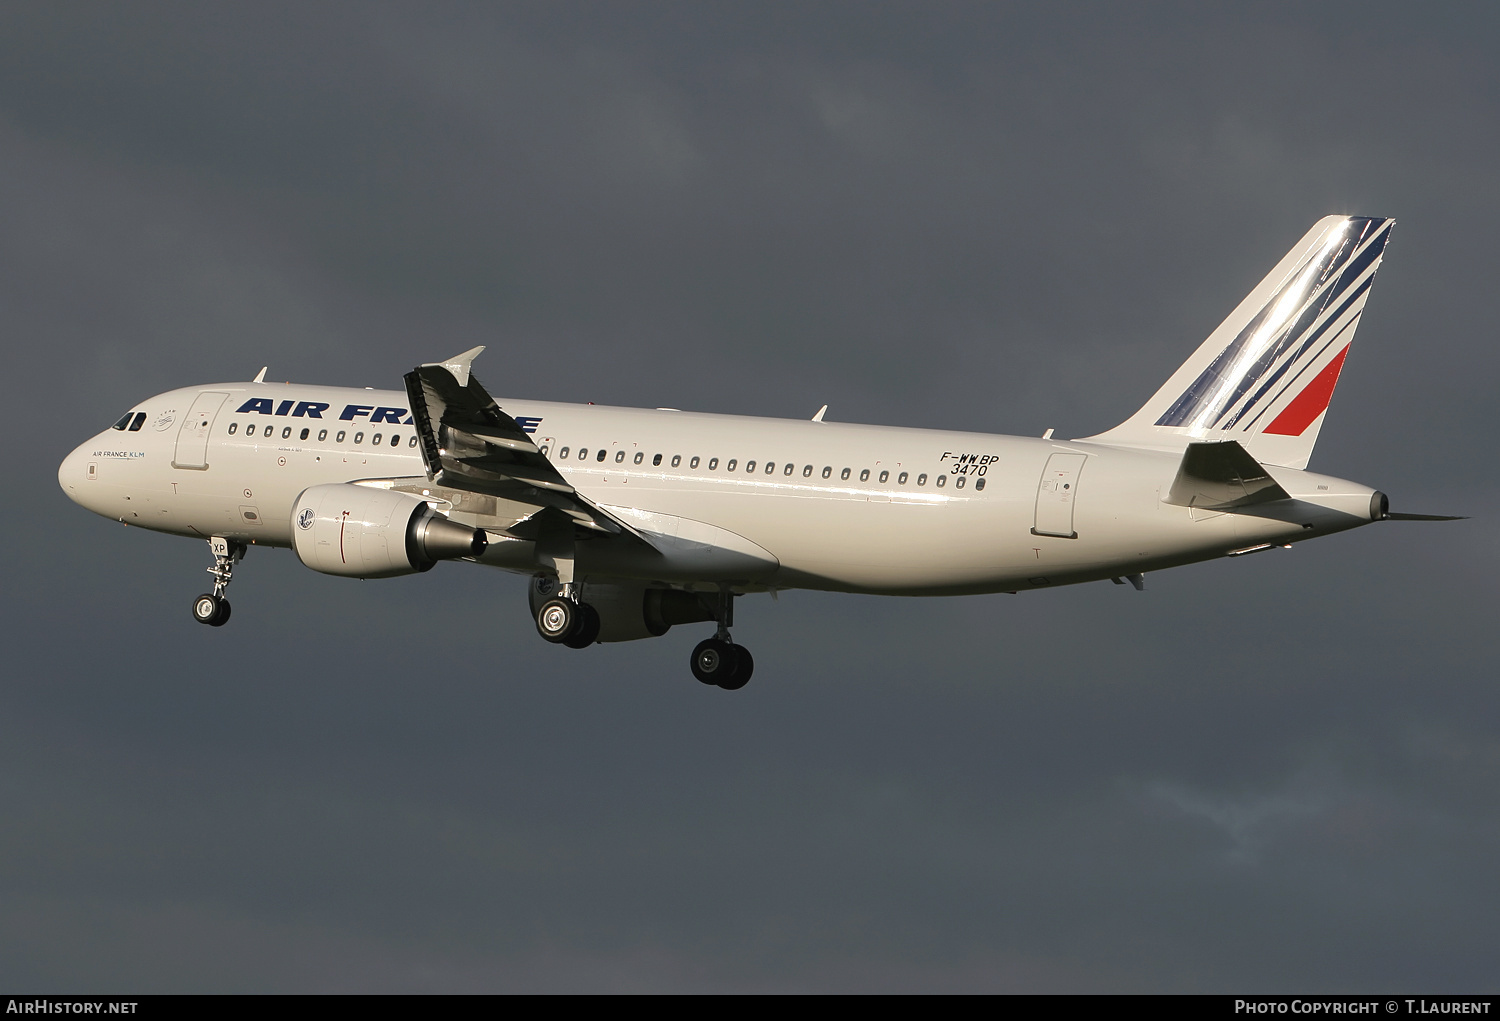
x=305, y=434
x=375, y=439
x=884, y=476
x=770, y=468
x=412, y=442
x=922, y=479
x=788, y=469
x=901, y=479
x=959, y=482
x=807, y=471
x=979, y=483
x=844, y=474
x=286, y=432
x=640, y=455
x=122, y=423
x=233, y=428
x=396, y=440
x=864, y=476
x=942, y=480
x=827, y=470
x=339, y=438
x=545, y=448
x=730, y=466
x=583, y=453
x=619, y=457
x=713, y=462
x=561, y=453
x=323, y=435
x=656, y=461
x=602, y=454
x=359, y=437
x=140, y=420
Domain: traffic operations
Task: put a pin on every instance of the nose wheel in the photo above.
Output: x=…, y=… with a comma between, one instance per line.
x=212, y=608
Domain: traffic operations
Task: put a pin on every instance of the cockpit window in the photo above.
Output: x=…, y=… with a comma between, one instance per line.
x=122, y=423
x=140, y=420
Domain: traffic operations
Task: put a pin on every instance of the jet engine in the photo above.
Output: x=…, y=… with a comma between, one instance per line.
x=363, y=532
x=629, y=612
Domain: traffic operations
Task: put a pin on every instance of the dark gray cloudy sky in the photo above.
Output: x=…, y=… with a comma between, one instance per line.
x=1281, y=773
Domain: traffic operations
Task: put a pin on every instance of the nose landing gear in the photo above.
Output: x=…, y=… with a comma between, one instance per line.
x=212, y=608
x=717, y=660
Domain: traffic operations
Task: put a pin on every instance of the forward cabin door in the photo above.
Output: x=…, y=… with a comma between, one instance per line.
x=1056, y=494
x=192, y=438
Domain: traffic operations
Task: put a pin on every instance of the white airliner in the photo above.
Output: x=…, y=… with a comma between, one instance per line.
x=631, y=520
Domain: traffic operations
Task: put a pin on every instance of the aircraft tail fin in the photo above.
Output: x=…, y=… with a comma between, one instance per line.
x=1265, y=377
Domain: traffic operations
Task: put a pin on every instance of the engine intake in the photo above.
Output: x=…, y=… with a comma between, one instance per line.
x=362, y=532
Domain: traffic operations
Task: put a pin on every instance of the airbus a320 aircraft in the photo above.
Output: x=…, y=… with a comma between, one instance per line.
x=632, y=521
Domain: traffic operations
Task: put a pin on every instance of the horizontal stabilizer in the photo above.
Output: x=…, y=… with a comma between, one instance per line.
x=1222, y=476
x=1426, y=517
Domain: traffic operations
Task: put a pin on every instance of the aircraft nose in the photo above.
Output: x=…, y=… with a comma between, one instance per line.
x=73, y=473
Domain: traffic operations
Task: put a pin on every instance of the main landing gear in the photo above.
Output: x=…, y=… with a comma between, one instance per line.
x=718, y=660
x=722, y=663
x=563, y=618
x=212, y=608
x=563, y=621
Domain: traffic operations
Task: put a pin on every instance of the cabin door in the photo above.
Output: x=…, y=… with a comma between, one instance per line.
x=1056, y=494
x=192, y=438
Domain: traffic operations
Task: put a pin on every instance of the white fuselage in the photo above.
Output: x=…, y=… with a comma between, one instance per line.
x=855, y=508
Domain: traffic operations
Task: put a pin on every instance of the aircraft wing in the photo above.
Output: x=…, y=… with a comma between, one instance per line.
x=469, y=444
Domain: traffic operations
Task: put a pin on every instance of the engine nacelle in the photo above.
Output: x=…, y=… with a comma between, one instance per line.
x=363, y=532
x=629, y=612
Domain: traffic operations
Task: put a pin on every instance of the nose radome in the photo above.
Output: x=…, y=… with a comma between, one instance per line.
x=71, y=473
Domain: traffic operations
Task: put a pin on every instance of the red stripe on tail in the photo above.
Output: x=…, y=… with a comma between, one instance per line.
x=1311, y=402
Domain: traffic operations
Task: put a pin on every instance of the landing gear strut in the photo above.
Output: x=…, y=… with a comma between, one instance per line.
x=718, y=660
x=212, y=608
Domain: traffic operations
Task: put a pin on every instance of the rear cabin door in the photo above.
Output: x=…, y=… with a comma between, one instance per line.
x=192, y=438
x=1056, y=494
